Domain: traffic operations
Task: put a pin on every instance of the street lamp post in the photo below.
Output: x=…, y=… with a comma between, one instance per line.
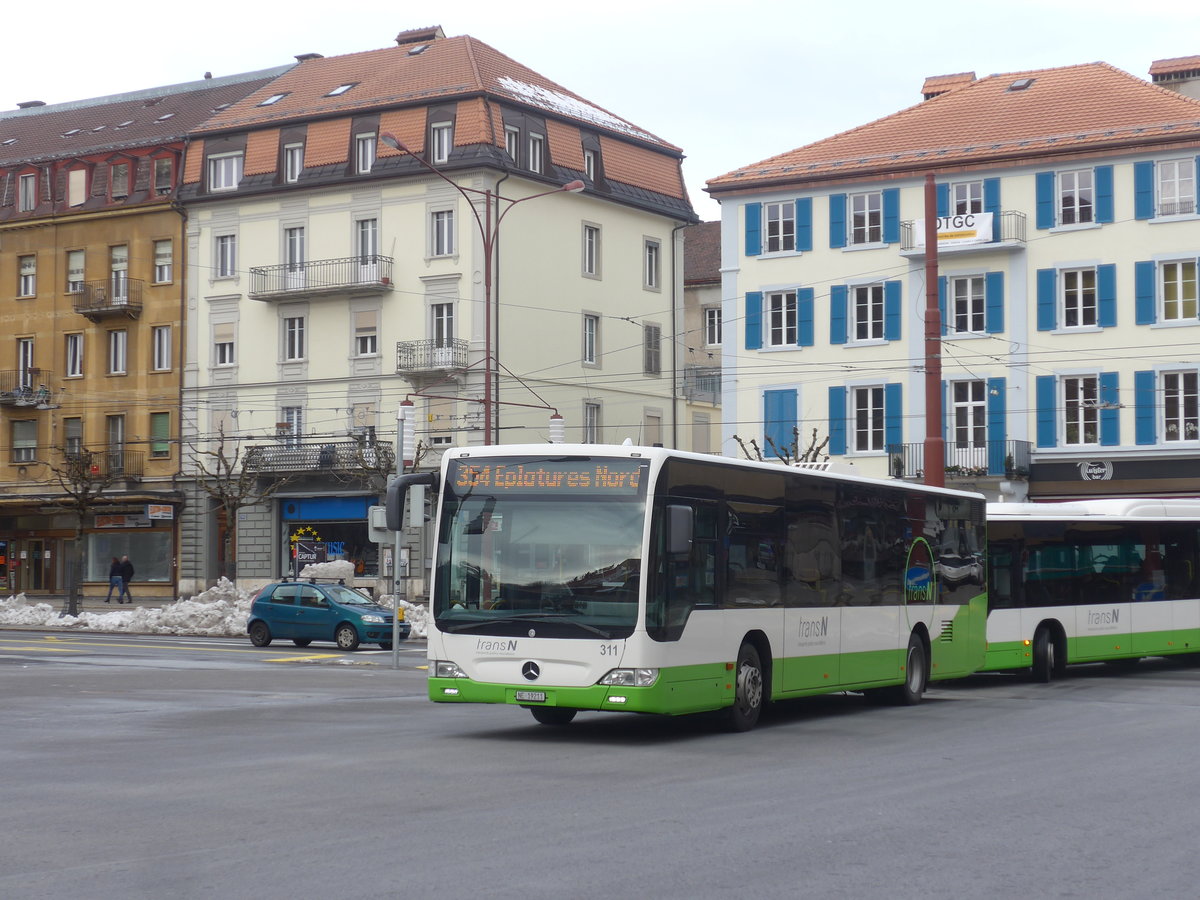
x=489, y=230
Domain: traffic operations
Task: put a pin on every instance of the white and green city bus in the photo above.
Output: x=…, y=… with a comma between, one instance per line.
x=1091, y=580
x=590, y=577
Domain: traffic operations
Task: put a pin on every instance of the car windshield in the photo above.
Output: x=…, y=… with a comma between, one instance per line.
x=347, y=596
x=565, y=562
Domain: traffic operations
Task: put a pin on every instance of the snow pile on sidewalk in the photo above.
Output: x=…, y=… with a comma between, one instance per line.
x=221, y=610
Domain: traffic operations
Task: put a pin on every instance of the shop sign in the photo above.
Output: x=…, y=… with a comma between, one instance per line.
x=965, y=228
x=117, y=521
x=1096, y=471
x=160, y=511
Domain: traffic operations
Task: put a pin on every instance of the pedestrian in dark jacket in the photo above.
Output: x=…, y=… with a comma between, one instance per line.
x=115, y=581
x=126, y=577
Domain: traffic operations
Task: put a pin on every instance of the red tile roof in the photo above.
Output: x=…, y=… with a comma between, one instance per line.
x=1178, y=64
x=1071, y=109
x=939, y=84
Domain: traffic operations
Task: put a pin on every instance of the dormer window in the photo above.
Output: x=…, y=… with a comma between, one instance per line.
x=441, y=140
x=273, y=99
x=537, y=146
x=589, y=164
x=119, y=180
x=341, y=89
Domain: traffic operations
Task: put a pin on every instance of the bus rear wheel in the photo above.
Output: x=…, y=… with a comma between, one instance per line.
x=916, y=673
x=748, y=690
x=552, y=715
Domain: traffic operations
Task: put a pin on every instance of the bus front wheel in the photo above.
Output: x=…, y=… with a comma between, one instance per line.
x=748, y=690
x=1044, y=664
x=552, y=715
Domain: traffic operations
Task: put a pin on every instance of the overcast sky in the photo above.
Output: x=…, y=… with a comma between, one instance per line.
x=730, y=83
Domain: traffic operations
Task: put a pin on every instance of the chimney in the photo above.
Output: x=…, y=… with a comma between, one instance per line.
x=30, y=104
x=420, y=35
x=1181, y=74
x=305, y=57
x=936, y=85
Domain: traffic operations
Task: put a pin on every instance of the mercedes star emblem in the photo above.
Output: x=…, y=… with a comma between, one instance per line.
x=531, y=671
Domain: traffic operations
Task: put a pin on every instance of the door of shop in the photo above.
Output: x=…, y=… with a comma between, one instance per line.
x=31, y=569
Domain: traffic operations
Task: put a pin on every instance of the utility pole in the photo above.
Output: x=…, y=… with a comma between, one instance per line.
x=935, y=444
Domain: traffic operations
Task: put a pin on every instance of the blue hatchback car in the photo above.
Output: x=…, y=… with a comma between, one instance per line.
x=307, y=611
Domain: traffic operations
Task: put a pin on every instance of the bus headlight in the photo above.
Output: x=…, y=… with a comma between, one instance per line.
x=629, y=677
x=443, y=668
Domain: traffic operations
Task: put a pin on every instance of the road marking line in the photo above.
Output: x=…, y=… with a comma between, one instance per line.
x=302, y=658
x=40, y=648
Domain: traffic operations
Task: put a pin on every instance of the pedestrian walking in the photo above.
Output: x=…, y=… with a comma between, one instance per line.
x=126, y=577
x=115, y=581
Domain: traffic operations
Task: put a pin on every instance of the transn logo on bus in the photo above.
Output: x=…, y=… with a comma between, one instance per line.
x=918, y=574
x=1104, y=616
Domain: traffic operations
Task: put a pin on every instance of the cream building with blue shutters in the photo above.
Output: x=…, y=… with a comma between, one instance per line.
x=1067, y=285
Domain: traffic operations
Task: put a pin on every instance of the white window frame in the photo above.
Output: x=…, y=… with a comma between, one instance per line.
x=25, y=364
x=712, y=326
x=441, y=325
x=866, y=218
x=652, y=265
x=1078, y=299
x=441, y=139
x=780, y=226
x=293, y=162
x=967, y=302
x=118, y=271
x=868, y=405
x=164, y=263
x=441, y=233
x=73, y=435
x=1177, y=291
x=163, y=175
x=512, y=143
x=294, y=417
x=867, y=313
x=589, y=164
x=592, y=422
x=118, y=352
x=28, y=188
x=294, y=348
x=224, y=344
x=366, y=242
x=968, y=414
x=1080, y=410
x=1181, y=406
x=1175, y=187
x=225, y=171
x=590, y=352
x=74, y=354
x=782, y=318
x=77, y=185
x=27, y=275
x=591, y=250
x=966, y=197
x=537, y=152
x=75, y=273
x=366, y=333
x=160, y=346
x=364, y=152
x=1076, y=197
x=24, y=446
x=225, y=256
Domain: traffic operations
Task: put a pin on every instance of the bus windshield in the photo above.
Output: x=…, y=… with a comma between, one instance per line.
x=550, y=547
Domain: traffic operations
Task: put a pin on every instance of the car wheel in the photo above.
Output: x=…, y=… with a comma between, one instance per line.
x=301, y=642
x=260, y=634
x=386, y=645
x=552, y=715
x=346, y=637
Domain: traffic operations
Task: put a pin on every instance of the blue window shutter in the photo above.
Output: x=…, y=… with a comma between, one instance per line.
x=942, y=293
x=1145, y=309
x=1143, y=190
x=837, y=314
x=943, y=200
x=1145, y=417
x=991, y=204
x=1044, y=182
x=1047, y=299
x=805, y=315
x=804, y=223
x=945, y=410
x=837, y=220
x=1106, y=295
x=891, y=310
x=753, y=229
x=997, y=403
x=891, y=215
x=1110, y=418
x=1046, y=391
x=893, y=415
x=837, y=421
x=779, y=419
x=1104, y=194
x=993, y=293
x=753, y=320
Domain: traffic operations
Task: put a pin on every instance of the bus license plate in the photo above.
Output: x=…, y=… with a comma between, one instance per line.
x=532, y=696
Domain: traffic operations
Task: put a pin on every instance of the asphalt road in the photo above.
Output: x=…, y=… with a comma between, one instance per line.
x=188, y=768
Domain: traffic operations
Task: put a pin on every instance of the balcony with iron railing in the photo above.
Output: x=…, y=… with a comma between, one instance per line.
x=431, y=356
x=330, y=456
x=105, y=463
x=1007, y=234
x=702, y=384
x=1009, y=460
x=349, y=275
x=108, y=298
x=32, y=388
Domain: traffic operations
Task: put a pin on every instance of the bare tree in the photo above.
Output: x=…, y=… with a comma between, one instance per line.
x=83, y=475
x=791, y=454
x=221, y=472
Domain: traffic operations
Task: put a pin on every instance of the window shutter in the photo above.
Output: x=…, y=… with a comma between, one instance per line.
x=753, y=229
x=1104, y=194
x=891, y=310
x=993, y=292
x=991, y=204
x=805, y=315
x=943, y=200
x=837, y=314
x=1044, y=182
x=1106, y=295
x=804, y=223
x=997, y=437
x=1110, y=415
x=837, y=220
x=837, y=421
x=1045, y=389
x=1143, y=190
x=779, y=419
x=893, y=415
x=945, y=313
x=891, y=215
x=1145, y=417
x=753, y=320
x=945, y=409
x=1047, y=302
x=1145, y=309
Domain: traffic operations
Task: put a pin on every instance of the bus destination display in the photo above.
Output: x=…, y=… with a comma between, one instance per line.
x=572, y=476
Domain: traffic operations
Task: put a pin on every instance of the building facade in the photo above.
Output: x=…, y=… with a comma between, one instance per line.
x=1066, y=289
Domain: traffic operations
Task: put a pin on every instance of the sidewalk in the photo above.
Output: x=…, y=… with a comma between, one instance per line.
x=96, y=604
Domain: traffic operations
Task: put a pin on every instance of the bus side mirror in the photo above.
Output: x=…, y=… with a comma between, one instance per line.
x=398, y=490
x=679, y=530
